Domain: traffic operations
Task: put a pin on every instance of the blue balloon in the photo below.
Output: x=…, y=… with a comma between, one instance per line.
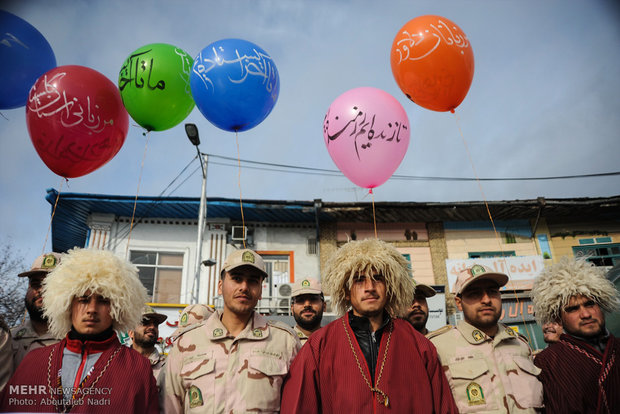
x=235, y=84
x=25, y=55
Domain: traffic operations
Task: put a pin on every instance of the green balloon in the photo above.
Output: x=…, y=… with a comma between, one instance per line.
x=154, y=85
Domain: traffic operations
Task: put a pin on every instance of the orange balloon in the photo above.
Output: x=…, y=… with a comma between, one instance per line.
x=433, y=62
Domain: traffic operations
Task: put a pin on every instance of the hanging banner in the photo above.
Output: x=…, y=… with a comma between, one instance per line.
x=516, y=267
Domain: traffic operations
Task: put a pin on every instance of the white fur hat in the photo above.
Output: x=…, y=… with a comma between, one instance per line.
x=100, y=272
x=369, y=256
x=557, y=283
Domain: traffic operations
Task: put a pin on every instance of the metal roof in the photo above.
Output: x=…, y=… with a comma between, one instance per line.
x=69, y=225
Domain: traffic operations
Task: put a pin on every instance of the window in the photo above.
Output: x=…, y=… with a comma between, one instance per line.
x=484, y=255
x=280, y=268
x=599, y=254
x=161, y=274
x=311, y=248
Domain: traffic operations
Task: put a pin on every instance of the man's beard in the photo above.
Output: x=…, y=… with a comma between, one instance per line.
x=143, y=341
x=35, y=313
x=309, y=325
x=581, y=334
x=417, y=323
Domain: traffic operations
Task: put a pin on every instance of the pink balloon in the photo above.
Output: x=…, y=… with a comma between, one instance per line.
x=366, y=132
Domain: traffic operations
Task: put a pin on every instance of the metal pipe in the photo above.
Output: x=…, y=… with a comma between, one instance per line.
x=202, y=212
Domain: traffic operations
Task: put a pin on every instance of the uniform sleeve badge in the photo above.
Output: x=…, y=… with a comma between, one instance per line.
x=477, y=335
x=183, y=320
x=195, y=397
x=475, y=396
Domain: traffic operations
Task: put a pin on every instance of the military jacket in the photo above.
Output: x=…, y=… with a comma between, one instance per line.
x=302, y=336
x=210, y=371
x=25, y=339
x=157, y=362
x=489, y=375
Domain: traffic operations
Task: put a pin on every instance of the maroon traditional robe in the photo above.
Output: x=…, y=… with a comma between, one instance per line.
x=577, y=378
x=325, y=376
x=127, y=384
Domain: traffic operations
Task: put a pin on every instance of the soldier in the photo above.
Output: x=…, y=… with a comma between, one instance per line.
x=551, y=332
x=33, y=333
x=307, y=307
x=418, y=312
x=234, y=362
x=192, y=314
x=145, y=336
x=488, y=365
x=581, y=371
x=6, y=354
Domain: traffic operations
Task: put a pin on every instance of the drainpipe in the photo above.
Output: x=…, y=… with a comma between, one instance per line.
x=317, y=207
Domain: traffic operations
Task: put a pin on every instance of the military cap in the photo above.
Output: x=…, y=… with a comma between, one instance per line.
x=475, y=273
x=43, y=264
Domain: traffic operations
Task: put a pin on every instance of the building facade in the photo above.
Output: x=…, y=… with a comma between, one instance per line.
x=297, y=237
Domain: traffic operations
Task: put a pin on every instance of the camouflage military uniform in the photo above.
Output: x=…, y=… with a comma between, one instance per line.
x=157, y=362
x=25, y=339
x=208, y=370
x=302, y=336
x=491, y=375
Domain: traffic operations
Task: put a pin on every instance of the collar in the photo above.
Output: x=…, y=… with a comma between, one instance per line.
x=155, y=357
x=256, y=329
x=299, y=333
x=359, y=323
x=90, y=344
x=26, y=330
x=475, y=336
x=599, y=343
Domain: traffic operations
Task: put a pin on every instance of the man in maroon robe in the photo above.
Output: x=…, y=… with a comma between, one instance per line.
x=581, y=371
x=368, y=361
x=87, y=297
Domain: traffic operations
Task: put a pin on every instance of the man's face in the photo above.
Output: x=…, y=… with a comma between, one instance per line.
x=241, y=289
x=551, y=332
x=90, y=314
x=583, y=317
x=367, y=296
x=308, y=311
x=34, y=302
x=418, y=312
x=481, y=304
x=146, y=334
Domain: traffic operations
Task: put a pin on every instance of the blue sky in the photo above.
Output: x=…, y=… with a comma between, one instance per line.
x=543, y=102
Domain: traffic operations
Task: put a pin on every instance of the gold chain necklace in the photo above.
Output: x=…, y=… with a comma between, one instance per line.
x=375, y=390
x=59, y=386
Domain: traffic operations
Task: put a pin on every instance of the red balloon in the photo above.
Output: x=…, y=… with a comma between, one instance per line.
x=433, y=62
x=76, y=120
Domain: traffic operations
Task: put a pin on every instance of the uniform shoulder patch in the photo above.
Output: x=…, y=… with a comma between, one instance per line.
x=188, y=328
x=282, y=326
x=439, y=331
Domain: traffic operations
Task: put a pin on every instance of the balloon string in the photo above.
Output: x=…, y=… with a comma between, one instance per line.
x=486, y=204
x=135, y=201
x=374, y=217
x=240, y=197
x=62, y=180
